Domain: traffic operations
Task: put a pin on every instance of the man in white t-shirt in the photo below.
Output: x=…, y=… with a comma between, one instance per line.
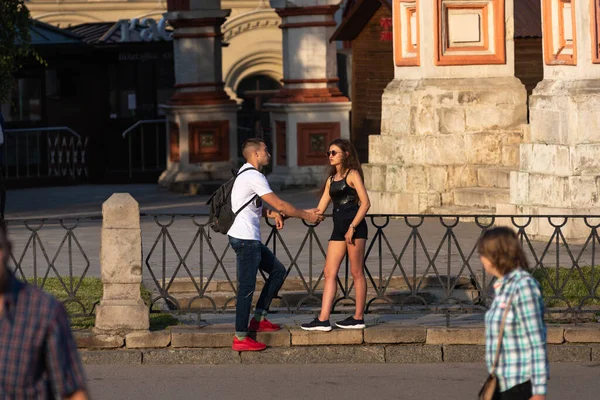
x=252, y=255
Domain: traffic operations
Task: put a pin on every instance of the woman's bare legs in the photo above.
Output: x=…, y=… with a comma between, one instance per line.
x=356, y=256
x=336, y=250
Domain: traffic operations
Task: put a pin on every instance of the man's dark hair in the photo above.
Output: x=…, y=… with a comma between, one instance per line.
x=251, y=144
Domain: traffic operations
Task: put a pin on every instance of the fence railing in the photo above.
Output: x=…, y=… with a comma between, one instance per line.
x=44, y=152
x=58, y=255
x=146, y=141
x=413, y=263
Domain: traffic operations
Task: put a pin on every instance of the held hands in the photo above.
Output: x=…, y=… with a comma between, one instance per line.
x=314, y=216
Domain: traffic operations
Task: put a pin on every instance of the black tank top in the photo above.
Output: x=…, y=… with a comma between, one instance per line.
x=342, y=193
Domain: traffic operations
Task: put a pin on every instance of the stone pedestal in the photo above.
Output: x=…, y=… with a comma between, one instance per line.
x=202, y=118
x=452, y=119
x=309, y=111
x=559, y=171
x=121, y=308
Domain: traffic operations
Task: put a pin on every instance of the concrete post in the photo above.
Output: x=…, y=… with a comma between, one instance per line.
x=122, y=308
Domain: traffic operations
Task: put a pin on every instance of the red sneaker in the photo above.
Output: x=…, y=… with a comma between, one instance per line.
x=248, y=344
x=263, y=326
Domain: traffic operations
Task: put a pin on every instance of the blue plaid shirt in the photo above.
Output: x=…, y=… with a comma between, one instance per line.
x=523, y=355
x=38, y=356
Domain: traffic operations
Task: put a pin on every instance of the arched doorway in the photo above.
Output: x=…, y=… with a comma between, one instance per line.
x=253, y=120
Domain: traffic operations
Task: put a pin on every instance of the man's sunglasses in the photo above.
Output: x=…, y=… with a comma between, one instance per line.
x=332, y=153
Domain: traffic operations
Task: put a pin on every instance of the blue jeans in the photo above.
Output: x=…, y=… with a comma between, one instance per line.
x=252, y=256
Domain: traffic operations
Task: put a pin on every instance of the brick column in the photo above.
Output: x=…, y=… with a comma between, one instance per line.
x=309, y=111
x=202, y=117
x=121, y=308
x=452, y=117
x=559, y=165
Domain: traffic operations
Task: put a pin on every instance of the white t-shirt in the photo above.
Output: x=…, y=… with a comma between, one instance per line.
x=249, y=184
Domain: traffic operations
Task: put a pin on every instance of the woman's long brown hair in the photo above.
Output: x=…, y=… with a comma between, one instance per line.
x=348, y=163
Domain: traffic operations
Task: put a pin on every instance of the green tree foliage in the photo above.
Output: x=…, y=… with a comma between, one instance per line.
x=15, y=41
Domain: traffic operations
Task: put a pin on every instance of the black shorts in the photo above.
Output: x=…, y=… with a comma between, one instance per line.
x=342, y=218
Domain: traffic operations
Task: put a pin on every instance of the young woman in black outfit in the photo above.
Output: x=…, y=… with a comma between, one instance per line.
x=345, y=188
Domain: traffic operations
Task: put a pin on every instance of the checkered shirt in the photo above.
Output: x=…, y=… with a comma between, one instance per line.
x=38, y=356
x=523, y=355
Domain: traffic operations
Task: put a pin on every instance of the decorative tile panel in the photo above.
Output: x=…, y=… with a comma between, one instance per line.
x=313, y=139
x=406, y=32
x=470, y=32
x=209, y=141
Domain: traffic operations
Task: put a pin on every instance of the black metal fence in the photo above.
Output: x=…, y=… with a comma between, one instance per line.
x=58, y=255
x=413, y=263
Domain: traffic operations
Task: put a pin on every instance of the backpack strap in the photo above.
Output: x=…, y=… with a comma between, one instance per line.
x=252, y=199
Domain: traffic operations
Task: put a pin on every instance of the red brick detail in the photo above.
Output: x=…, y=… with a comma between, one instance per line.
x=281, y=134
x=313, y=139
x=178, y=5
x=372, y=70
x=303, y=11
x=320, y=95
x=209, y=141
x=200, y=98
x=174, y=142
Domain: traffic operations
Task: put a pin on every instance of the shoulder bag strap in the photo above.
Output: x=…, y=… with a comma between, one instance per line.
x=252, y=199
x=501, y=333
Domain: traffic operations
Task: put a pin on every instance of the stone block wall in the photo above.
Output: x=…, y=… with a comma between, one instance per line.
x=560, y=170
x=436, y=134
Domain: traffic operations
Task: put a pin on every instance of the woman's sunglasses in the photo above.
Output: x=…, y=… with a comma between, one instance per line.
x=332, y=153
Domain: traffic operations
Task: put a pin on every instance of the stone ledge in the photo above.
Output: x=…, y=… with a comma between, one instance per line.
x=568, y=353
x=582, y=335
x=413, y=354
x=148, y=340
x=335, y=337
x=456, y=336
x=216, y=336
x=191, y=356
x=463, y=354
x=556, y=335
x=394, y=334
x=90, y=340
x=92, y=357
x=355, y=354
x=205, y=336
x=317, y=355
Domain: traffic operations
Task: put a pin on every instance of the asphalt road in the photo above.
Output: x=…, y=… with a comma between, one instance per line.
x=357, y=381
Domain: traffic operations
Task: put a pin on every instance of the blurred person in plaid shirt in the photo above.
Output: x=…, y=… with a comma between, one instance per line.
x=522, y=369
x=38, y=355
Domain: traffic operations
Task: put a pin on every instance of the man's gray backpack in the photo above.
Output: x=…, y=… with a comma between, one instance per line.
x=221, y=212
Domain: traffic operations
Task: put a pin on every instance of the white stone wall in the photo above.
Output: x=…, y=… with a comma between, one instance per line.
x=437, y=134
